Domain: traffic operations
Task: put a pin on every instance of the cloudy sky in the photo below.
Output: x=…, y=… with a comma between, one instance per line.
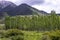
x=46, y=5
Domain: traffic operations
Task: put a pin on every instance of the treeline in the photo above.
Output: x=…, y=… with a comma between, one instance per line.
x=34, y=22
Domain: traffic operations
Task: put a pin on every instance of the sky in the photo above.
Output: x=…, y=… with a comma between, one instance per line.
x=46, y=5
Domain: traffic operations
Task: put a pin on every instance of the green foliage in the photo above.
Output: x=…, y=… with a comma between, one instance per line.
x=2, y=26
x=13, y=34
x=32, y=35
x=7, y=22
x=5, y=39
x=31, y=23
x=53, y=35
x=29, y=35
x=34, y=22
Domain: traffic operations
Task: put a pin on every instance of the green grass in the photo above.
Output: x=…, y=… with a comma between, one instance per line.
x=32, y=35
x=5, y=39
x=28, y=35
x=2, y=26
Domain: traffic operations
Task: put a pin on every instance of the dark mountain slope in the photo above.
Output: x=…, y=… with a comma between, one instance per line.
x=5, y=7
x=25, y=9
x=22, y=9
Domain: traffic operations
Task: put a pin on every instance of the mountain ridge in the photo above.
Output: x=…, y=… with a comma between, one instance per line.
x=23, y=9
x=4, y=4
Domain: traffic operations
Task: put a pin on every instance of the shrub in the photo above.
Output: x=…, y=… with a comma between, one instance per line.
x=13, y=32
x=17, y=37
x=54, y=35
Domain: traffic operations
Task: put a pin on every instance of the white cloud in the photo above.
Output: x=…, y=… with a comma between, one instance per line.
x=49, y=5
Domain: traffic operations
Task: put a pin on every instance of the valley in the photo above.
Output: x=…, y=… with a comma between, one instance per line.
x=24, y=22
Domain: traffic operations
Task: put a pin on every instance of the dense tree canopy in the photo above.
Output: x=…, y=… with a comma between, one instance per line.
x=34, y=22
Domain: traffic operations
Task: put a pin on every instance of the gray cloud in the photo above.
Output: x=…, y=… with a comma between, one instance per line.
x=31, y=2
x=34, y=2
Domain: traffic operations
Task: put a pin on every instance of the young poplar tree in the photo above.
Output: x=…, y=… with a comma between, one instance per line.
x=7, y=22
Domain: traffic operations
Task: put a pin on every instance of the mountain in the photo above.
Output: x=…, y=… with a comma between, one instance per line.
x=11, y=9
x=6, y=6
x=25, y=9
x=22, y=9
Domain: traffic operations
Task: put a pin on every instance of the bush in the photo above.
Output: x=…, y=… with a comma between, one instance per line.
x=13, y=32
x=17, y=37
x=54, y=35
x=5, y=39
